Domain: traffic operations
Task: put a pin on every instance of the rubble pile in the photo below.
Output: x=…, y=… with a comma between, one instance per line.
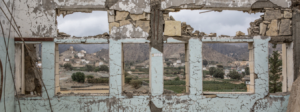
x=275, y=22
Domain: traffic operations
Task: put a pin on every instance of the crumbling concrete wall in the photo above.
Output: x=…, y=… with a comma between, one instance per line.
x=130, y=23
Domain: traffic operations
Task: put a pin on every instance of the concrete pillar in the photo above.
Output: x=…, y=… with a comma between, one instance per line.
x=251, y=68
x=115, y=69
x=156, y=72
x=48, y=69
x=195, y=66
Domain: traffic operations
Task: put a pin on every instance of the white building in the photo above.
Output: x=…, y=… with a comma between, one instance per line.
x=178, y=61
x=80, y=55
x=67, y=60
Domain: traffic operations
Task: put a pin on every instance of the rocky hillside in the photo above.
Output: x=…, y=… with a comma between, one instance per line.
x=140, y=52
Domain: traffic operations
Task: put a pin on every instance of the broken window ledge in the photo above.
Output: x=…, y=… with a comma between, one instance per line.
x=27, y=95
x=228, y=93
x=82, y=94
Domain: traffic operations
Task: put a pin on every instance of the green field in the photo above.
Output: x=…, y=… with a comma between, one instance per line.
x=211, y=86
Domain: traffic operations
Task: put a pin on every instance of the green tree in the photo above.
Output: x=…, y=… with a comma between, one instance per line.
x=212, y=70
x=89, y=68
x=68, y=66
x=177, y=78
x=219, y=73
x=104, y=68
x=205, y=62
x=275, y=67
x=90, y=76
x=78, y=77
x=233, y=74
x=220, y=66
x=247, y=71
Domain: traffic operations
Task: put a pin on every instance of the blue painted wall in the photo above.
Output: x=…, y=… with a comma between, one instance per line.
x=259, y=101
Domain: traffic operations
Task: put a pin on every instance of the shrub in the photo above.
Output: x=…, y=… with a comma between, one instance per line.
x=78, y=77
x=128, y=79
x=235, y=75
x=177, y=78
x=219, y=73
x=68, y=66
x=90, y=76
x=212, y=70
x=89, y=68
x=104, y=68
x=136, y=83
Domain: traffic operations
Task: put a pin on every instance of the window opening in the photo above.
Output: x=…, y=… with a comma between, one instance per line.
x=227, y=67
x=29, y=74
x=136, y=68
x=83, y=24
x=224, y=23
x=174, y=69
x=83, y=68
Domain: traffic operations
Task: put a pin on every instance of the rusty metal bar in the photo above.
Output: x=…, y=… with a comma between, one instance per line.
x=1, y=84
x=34, y=39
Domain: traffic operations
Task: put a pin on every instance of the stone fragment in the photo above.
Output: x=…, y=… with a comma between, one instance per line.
x=114, y=24
x=272, y=14
x=124, y=22
x=239, y=33
x=111, y=18
x=121, y=15
x=172, y=19
x=111, y=12
x=266, y=22
x=196, y=33
x=224, y=36
x=285, y=27
x=148, y=17
x=172, y=28
x=166, y=17
x=145, y=25
x=138, y=16
x=263, y=28
x=273, y=28
x=212, y=35
x=288, y=14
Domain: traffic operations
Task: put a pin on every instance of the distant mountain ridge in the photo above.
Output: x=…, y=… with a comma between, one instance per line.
x=139, y=53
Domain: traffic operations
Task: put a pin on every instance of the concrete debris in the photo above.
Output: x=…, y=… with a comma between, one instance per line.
x=62, y=34
x=138, y=16
x=114, y=24
x=285, y=27
x=196, y=33
x=263, y=29
x=273, y=14
x=239, y=33
x=145, y=25
x=172, y=28
x=288, y=14
x=121, y=15
x=124, y=22
x=224, y=36
x=275, y=22
x=273, y=28
x=111, y=18
x=212, y=35
x=186, y=29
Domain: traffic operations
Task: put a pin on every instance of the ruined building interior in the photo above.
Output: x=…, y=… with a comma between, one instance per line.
x=30, y=81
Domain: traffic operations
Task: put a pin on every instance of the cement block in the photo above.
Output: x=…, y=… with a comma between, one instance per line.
x=272, y=14
x=172, y=28
x=145, y=25
x=239, y=33
x=285, y=27
x=273, y=28
x=121, y=15
x=288, y=14
x=114, y=24
x=263, y=28
x=111, y=18
x=138, y=16
x=124, y=22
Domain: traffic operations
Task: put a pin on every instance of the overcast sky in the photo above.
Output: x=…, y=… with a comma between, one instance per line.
x=222, y=23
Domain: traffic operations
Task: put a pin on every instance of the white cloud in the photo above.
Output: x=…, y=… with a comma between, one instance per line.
x=222, y=23
x=84, y=24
